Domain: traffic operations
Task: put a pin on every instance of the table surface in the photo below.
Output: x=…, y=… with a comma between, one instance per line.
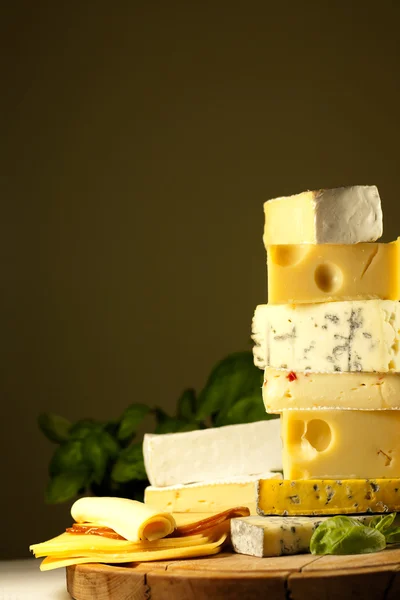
x=22, y=580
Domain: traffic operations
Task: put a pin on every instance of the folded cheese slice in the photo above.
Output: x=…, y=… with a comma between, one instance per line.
x=131, y=519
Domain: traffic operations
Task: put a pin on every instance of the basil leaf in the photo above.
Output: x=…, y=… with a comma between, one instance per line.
x=65, y=486
x=247, y=410
x=67, y=458
x=129, y=465
x=233, y=378
x=167, y=424
x=393, y=535
x=382, y=522
x=55, y=428
x=84, y=427
x=96, y=456
x=187, y=405
x=131, y=420
x=343, y=535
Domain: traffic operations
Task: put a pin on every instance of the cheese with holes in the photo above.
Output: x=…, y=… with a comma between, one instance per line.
x=346, y=215
x=362, y=335
x=340, y=444
x=327, y=497
x=322, y=273
x=283, y=390
x=276, y=536
x=208, y=454
x=206, y=497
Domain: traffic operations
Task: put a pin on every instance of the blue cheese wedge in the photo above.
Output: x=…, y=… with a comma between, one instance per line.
x=276, y=536
x=329, y=337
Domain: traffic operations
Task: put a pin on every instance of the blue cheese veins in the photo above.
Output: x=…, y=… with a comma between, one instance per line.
x=330, y=337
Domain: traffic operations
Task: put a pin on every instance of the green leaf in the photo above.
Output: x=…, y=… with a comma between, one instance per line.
x=96, y=456
x=55, y=428
x=109, y=444
x=246, y=410
x=65, y=486
x=187, y=405
x=393, y=535
x=233, y=378
x=167, y=424
x=343, y=535
x=382, y=522
x=84, y=427
x=68, y=457
x=131, y=420
x=130, y=465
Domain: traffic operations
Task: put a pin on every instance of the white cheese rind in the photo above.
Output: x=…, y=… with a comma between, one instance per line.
x=328, y=337
x=276, y=536
x=345, y=215
x=211, y=454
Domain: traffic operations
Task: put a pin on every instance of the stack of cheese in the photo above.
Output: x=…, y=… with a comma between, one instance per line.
x=201, y=472
x=329, y=343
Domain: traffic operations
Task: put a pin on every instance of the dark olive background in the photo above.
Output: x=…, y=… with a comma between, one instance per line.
x=139, y=146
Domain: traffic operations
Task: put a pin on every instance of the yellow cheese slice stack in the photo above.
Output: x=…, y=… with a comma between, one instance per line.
x=146, y=527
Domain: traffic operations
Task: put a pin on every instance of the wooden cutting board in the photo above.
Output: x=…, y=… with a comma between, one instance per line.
x=235, y=576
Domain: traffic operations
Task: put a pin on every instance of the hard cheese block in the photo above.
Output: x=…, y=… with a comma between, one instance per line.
x=346, y=215
x=340, y=444
x=230, y=451
x=327, y=497
x=328, y=337
x=207, y=497
x=276, y=536
x=286, y=390
x=323, y=273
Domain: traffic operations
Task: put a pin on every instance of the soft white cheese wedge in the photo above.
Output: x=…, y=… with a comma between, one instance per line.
x=133, y=520
x=328, y=337
x=345, y=215
x=209, y=454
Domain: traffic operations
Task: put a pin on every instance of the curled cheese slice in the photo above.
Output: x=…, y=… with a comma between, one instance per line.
x=133, y=520
x=162, y=554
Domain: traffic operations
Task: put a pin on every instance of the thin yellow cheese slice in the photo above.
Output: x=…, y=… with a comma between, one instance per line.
x=151, y=555
x=133, y=520
x=70, y=543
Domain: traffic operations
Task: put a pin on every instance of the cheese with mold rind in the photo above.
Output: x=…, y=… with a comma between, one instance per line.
x=345, y=215
x=333, y=272
x=214, y=453
x=328, y=337
x=327, y=496
x=339, y=444
x=344, y=391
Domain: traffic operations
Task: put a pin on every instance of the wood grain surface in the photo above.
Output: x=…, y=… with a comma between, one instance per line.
x=235, y=576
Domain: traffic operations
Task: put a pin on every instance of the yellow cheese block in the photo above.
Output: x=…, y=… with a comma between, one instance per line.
x=207, y=497
x=332, y=272
x=327, y=497
x=338, y=444
x=285, y=390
